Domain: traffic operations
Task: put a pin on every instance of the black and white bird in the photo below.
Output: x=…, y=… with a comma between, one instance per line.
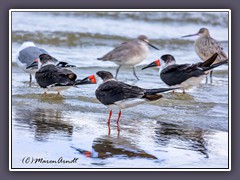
x=28, y=53
x=118, y=95
x=129, y=53
x=184, y=76
x=54, y=78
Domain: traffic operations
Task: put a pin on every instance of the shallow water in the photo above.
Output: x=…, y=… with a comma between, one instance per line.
x=178, y=131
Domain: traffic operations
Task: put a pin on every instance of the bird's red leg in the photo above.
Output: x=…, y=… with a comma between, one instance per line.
x=109, y=118
x=119, y=115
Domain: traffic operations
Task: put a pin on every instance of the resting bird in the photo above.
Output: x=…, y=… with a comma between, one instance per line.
x=183, y=75
x=118, y=95
x=54, y=78
x=129, y=53
x=27, y=55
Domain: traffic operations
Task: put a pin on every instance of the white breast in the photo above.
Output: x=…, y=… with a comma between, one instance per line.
x=191, y=82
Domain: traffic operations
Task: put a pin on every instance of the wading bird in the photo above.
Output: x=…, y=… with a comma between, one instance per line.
x=129, y=53
x=183, y=75
x=118, y=95
x=27, y=55
x=205, y=46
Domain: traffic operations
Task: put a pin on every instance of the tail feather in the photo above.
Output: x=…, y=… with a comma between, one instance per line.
x=209, y=61
x=159, y=90
x=215, y=65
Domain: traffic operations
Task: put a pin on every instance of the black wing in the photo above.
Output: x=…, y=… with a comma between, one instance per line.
x=52, y=75
x=113, y=91
x=176, y=74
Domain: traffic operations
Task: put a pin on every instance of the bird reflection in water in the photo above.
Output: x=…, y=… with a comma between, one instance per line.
x=44, y=122
x=118, y=130
x=107, y=147
x=188, y=138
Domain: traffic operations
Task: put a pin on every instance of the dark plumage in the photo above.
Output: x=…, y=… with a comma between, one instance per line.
x=182, y=74
x=51, y=76
x=27, y=56
x=112, y=91
x=116, y=94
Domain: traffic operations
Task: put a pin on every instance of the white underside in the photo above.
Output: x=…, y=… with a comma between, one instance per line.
x=191, y=82
x=126, y=103
x=57, y=88
x=130, y=62
x=24, y=65
x=133, y=57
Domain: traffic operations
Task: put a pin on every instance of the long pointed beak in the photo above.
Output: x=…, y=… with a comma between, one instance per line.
x=190, y=35
x=88, y=80
x=152, y=46
x=153, y=64
x=34, y=64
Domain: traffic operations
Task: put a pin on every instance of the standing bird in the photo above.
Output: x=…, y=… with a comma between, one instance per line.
x=129, y=53
x=183, y=75
x=27, y=55
x=118, y=95
x=205, y=46
x=54, y=78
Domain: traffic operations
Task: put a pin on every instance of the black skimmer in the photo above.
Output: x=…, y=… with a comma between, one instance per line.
x=205, y=46
x=183, y=76
x=118, y=95
x=54, y=78
x=29, y=53
x=129, y=53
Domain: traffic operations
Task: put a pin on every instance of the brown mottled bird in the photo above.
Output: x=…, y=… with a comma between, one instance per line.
x=205, y=46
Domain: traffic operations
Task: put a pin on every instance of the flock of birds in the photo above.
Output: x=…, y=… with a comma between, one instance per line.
x=54, y=75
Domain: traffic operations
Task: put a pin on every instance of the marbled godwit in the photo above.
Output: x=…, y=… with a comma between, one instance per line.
x=184, y=76
x=129, y=53
x=118, y=95
x=54, y=78
x=28, y=53
x=205, y=46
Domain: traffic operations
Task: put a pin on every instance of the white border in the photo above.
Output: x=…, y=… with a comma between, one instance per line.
x=119, y=10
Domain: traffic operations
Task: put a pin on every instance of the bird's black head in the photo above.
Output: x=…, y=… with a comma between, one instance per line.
x=44, y=58
x=167, y=58
x=105, y=75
